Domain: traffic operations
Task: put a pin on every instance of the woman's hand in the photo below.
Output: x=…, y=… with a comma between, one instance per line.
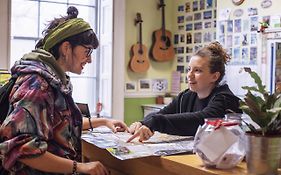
x=144, y=133
x=92, y=168
x=134, y=127
x=116, y=125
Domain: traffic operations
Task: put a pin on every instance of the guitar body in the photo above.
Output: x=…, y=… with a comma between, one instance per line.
x=162, y=49
x=139, y=61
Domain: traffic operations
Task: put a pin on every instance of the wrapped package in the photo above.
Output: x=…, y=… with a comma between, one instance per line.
x=220, y=143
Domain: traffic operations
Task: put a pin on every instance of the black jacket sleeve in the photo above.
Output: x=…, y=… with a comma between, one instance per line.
x=170, y=121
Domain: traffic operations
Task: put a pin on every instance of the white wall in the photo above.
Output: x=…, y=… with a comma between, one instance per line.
x=4, y=33
x=118, y=59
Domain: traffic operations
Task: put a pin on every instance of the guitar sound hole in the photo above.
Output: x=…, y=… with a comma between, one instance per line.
x=166, y=40
x=140, y=52
x=140, y=61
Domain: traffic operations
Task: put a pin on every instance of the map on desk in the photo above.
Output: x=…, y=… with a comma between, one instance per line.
x=158, y=145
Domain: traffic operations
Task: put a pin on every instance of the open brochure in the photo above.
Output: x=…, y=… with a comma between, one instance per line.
x=158, y=145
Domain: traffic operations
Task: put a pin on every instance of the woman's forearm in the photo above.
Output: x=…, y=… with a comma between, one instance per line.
x=96, y=122
x=49, y=162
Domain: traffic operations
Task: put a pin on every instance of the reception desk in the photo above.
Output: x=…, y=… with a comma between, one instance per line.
x=165, y=165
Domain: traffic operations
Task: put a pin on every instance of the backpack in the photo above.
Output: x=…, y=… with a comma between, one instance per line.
x=4, y=98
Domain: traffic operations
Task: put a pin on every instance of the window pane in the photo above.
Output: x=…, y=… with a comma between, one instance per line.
x=47, y=15
x=24, y=18
x=61, y=1
x=88, y=14
x=84, y=91
x=19, y=48
x=84, y=2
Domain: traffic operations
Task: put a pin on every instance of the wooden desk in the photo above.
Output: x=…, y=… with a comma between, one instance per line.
x=166, y=165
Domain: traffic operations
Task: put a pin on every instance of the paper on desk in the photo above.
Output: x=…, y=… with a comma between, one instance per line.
x=158, y=144
x=217, y=142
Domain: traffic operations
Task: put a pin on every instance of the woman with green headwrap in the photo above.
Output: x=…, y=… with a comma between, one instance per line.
x=42, y=134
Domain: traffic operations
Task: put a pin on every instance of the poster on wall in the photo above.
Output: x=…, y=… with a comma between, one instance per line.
x=159, y=85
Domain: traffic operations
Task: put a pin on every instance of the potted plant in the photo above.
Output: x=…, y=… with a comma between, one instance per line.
x=263, y=144
x=167, y=98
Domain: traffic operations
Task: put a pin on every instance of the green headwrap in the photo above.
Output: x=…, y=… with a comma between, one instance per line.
x=66, y=29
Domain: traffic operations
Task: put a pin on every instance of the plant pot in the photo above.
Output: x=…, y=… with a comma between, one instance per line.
x=168, y=100
x=262, y=154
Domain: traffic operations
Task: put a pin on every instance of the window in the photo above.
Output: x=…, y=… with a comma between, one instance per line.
x=28, y=20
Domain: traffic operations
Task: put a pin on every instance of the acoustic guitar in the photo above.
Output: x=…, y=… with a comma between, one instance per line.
x=162, y=49
x=139, y=60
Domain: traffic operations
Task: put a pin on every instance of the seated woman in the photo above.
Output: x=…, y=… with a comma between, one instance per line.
x=206, y=97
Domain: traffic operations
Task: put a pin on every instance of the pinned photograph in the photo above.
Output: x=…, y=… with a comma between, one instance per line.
x=253, y=55
x=180, y=50
x=237, y=40
x=180, y=19
x=202, y=4
x=188, y=38
x=245, y=40
x=252, y=11
x=198, y=26
x=181, y=27
x=254, y=39
x=180, y=59
x=246, y=25
x=207, y=37
x=189, y=18
x=180, y=69
x=188, y=57
x=230, y=26
x=182, y=38
x=176, y=38
x=188, y=49
x=180, y=8
x=198, y=37
x=254, y=23
x=236, y=54
x=197, y=16
x=237, y=25
x=245, y=55
x=207, y=24
x=209, y=4
x=195, y=6
x=229, y=41
x=189, y=27
x=207, y=14
x=187, y=7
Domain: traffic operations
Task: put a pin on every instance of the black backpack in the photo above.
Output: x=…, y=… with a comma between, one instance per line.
x=4, y=98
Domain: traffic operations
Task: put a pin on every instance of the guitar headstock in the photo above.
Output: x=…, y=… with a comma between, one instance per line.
x=161, y=4
x=138, y=19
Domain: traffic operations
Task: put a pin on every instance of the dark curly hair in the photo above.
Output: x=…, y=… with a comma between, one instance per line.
x=85, y=38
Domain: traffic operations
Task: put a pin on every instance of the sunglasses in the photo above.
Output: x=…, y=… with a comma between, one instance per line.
x=89, y=50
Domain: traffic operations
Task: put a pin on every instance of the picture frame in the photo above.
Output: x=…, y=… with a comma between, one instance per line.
x=130, y=86
x=144, y=85
x=159, y=85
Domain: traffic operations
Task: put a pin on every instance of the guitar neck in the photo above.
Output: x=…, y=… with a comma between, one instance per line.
x=140, y=36
x=163, y=19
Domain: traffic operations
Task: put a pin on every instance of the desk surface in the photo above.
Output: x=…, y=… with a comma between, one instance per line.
x=166, y=165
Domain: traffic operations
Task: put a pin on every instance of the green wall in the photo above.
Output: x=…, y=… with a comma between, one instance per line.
x=133, y=109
